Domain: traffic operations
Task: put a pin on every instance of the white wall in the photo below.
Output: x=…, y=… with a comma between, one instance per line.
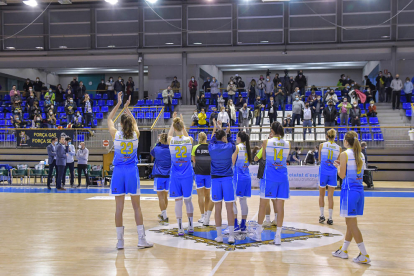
x=369, y=67
x=32, y=74
x=405, y=68
x=160, y=77
x=213, y=70
x=314, y=77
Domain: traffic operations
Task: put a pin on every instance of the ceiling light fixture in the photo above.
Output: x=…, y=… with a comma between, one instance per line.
x=31, y=3
x=275, y=0
x=112, y=2
x=264, y=41
x=385, y=36
x=169, y=43
x=63, y=47
x=198, y=43
x=111, y=46
x=39, y=48
x=10, y=48
x=151, y=1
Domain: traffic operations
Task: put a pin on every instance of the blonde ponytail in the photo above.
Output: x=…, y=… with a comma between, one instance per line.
x=352, y=138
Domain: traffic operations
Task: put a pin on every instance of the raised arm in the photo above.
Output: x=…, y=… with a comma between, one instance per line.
x=128, y=112
x=111, y=126
x=171, y=131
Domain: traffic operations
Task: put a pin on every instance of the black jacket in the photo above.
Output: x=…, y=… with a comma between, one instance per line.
x=206, y=86
x=119, y=86
x=313, y=105
x=59, y=95
x=378, y=85
x=239, y=104
x=74, y=85
x=80, y=91
x=101, y=86
x=330, y=116
x=27, y=85
x=369, y=83
x=345, y=93
x=37, y=86
x=355, y=112
x=301, y=81
x=202, y=103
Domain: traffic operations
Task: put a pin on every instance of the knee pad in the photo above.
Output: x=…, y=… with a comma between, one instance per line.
x=235, y=208
x=243, y=206
x=189, y=205
x=179, y=208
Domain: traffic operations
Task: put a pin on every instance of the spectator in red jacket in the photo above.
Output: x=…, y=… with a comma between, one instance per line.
x=192, y=85
x=372, y=109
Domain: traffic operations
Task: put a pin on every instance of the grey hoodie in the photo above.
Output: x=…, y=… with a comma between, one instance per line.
x=82, y=156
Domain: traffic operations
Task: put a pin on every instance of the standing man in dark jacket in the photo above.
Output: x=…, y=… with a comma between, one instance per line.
x=75, y=85
x=301, y=81
x=119, y=86
x=380, y=86
x=206, y=85
x=317, y=107
x=258, y=105
x=80, y=93
x=51, y=152
x=272, y=108
x=330, y=114
x=101, y=89
x=175, y=85
x=355, y=115
x=37, y=86
x=345, y=92
x=130, y=89
x=87, y=105
x=60, y=163
x=276, y=80
x=201, y=102
x=290, y=88
x=26, y=86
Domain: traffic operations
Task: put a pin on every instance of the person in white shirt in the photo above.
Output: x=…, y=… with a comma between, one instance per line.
x=223, y=117
x=397, y=86
x=231, y=111
x=307, y=120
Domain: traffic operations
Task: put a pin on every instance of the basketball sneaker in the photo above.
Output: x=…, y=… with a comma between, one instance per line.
x=340, y=254
x=362, y=259
x=160, y=217
x=330, y=222
x=267, y=223
x=236, y=226
x=201, y=220
x=277, y=240
x=219, y=239
x=120, y=244
x=231, y=239
x=190, y=230
x=257, y=236
x=164, y=221
x=142, y=243
x=274, y=222
x=243, y=228
x=321, y=219
x=180, y=232
x=206, y=221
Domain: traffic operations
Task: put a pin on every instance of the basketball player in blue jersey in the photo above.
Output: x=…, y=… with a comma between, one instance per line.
x=242, y=158
x=221, y=150
x=181, y=179
x=125, y=177
x=328, y=153
x=161, y=173
x=351, y=169
x=275, y=182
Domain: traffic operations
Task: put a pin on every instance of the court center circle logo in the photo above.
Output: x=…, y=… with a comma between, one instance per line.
x=295, y=236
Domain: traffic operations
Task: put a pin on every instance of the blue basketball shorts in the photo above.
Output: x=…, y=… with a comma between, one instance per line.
x=203, y=181
x=274, y=189
x=352, y=203
x=243, y=186
x=125, y=180
x=181, y=187
x=222, y=189
x=161, y=184
x=330, y=180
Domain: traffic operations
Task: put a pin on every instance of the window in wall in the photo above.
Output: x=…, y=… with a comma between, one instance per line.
x=405, y=27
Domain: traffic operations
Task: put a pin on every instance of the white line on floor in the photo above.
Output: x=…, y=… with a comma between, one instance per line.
x=219, y=263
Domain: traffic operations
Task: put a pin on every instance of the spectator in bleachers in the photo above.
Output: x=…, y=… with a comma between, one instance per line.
x=368, y=83
x=240, y=102
x=70, y=109
x=408, y=89
x=30, y=100
x=110, y=88
x=201, y=102
x=288, y=124
x=167, y=95
x=331, y=96
x=348, y=80
x=75, y=85
x=280, y=97
x=192, y=85
x=59, y=95
x=37, y=121
x=69, y=93
x=370, y=95
x=101, y=88
x=17, y=121
x=301, y=82
x=77, y=120
x=294, y=157
x=258, y=105
x=51, y=95
x=269, y=88
x=14, y=91
x=223, y=117
x=307, y=119
x=130, y=89
x=206, y=85
x=310, y=157
x=355, y=114
x=330, y=114
x=276, y=80
x=119, y=86
x=372, y=109
x=83, y=154
x=51, y=119
x=34, y=109
x=380, y=86
x=344, y=109
x=285, y=79
x=388, y=88
x=341, y=81
x=290, y=87
x=245, y=116
x=297, y=107
x=311, y=97
x=47, y=103
x=231, y=90
x=70, y=161
x=87, y=105
x=252, y=91
x=241, y=85
x=175, y=84
x=296, y=93
x=354, y=97
x=221, y=102
x=397, y=86
x=194, y=118
x=213, y=115
x=214, y=84
x=37, y=86
x=202, y=118
x=261, y=87
x=26, y=87
x=317, y=109
x=231, y=111
x=80, y=92
x=15, y=96
x=272, y=108
x=345, y=92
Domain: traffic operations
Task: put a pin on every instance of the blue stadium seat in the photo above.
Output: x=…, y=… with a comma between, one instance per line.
x=95, y=109
x=140, y=115
x=110, y=103
x=153, y=109
x=177, y=95
x=104, y=109
x=79, y=109
x=62, y=115
x=307, y=93
x=2, y=137
x=403, y=100
x=98, y=97
x=140, y=103
x=105, y=96
x=149, y=102
x=10, y=138
x=60, y=109
x=43, y=116
x=373, y=121
x=101, y=102
x=341, y=136
x=148, y=115
x=95, y=122
x=207, y=95
x=166, y=115
x=2, y=116
x=364, y=121
x=363, y=111
x=7, y=98
x=41, y=103
x=288, y=107
x=99, y=116
x=225, y=95
x=58, y=122
x=361, y=105
x=408, y=113
x=174, y=102
x=378, y=137
x=376, y=129
x=406, y=106
x=159, y=96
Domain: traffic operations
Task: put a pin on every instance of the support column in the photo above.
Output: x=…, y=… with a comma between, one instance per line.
x=394, y=60
x=141, y=77
x=184, y=83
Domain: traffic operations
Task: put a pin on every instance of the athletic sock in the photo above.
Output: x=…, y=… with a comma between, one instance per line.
x=180, y=223
x=330, y=213
x=141, y=230
x=243, y=223
x=279, y=231
x=322, y=210
x=120, y=233
x=202, y=216
x=276, y=217
x=164, y=214
x=268, y=218
x=362, y=249
x=190, y=221
x=236, y=223
x=345, y=245
x=231, y=230
x=208, y=215
x=219, y=233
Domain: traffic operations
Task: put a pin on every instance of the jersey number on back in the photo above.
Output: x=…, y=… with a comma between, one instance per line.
x=181, y=152
x=330, y=154
x=127, y=148
x=279, y=155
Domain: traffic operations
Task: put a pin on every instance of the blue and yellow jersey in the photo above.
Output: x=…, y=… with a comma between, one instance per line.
x=353, y=177
x=241, y=167
x=125, y=149
x=162, y=162
x=180, y=150
x=277, y=152
x=329, y=153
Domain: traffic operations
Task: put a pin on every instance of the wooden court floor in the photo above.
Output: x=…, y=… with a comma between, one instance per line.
x=65, y=234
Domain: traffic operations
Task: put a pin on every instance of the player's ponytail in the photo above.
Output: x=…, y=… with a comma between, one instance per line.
x=164, y=138
x=202, y=137
x=127, y=126
x=352, y=138
x=278, y=129
x=178, y=124
x=331, y=134
x=244, y=137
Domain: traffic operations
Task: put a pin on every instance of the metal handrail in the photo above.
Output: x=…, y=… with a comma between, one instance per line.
x=158, y=117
